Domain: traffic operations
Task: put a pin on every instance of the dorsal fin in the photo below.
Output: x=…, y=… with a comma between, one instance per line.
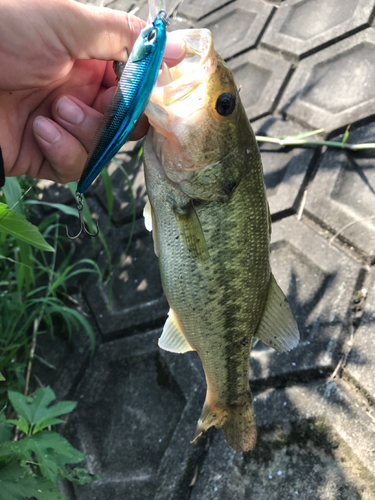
x=278, y=328
x=172, y=338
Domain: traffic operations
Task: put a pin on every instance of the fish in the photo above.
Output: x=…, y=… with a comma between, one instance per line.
x=211, y=226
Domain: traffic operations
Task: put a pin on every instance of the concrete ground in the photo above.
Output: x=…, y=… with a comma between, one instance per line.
x=303, y=65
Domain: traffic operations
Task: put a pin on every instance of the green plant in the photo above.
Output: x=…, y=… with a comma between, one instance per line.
x=33, y=465
x=33, y=285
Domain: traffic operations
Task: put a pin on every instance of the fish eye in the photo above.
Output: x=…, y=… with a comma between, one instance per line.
x=225, y=104
x=152, y=35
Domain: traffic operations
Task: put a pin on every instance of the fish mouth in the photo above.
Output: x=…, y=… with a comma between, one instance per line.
x=172, y=94
x=179, y=102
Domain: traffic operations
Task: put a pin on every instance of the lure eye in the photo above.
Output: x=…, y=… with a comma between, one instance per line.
x=225, y=104
x=152, y=36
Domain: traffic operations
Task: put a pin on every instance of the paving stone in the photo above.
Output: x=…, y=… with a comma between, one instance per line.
x=321, y=92
x=196, y=9
x=341, y=196
x=135, y=417
x=134, y=297
x=301, y=27
x=361, y=362
x=124, y=5
x=52, y=192
x=314, y=441
x=319, y=281
x=248, y=16
x=131, y=161
x=284, y=169
x=262, y=77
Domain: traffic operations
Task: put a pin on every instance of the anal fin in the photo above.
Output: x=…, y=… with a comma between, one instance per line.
x=278, y=328
x=172, y=338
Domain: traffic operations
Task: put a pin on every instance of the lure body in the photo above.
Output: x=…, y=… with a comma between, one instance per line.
x=129, y=101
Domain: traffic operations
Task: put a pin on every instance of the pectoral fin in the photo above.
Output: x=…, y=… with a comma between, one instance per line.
x=172, y=338
x=278, y=328
x=191, y=232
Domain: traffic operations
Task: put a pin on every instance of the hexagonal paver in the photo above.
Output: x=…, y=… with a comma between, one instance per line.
x=361, y=362
x=336, y=86
x=135, y=418
x=319, y=281
x=320, y=444
x=196, y=9
x=285, y=169
x=262, y=77
x=301, y=27
x=342, y=195
x=134, y=297
x=249, y=18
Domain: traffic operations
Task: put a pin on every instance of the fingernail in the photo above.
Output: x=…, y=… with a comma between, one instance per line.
x=69, y=111
x=46, y=129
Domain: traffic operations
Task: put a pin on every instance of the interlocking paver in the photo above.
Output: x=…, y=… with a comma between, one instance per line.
x=249, y=18
x=361, y=361
x=342, y=197
x=334, y=87
x=285, y=170
x=262, y=77
x=196, y=9
x=314, y=441
x=301, y=27
x=135, y=418
x=133, y=298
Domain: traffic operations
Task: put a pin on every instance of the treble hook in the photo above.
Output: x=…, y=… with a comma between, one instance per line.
x=79, y=202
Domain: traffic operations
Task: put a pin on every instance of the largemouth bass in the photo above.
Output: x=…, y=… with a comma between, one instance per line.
x=211, y=227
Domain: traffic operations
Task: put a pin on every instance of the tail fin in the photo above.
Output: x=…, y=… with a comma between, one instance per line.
x=237, y=422
x=239, y=427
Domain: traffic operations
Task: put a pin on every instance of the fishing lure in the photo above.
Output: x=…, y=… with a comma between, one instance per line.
x=127, y=106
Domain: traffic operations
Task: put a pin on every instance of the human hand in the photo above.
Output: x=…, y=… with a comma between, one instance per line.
x=55, y=82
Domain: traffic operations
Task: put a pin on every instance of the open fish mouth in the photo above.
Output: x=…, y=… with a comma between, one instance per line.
x=179, y=102
x=173, y=96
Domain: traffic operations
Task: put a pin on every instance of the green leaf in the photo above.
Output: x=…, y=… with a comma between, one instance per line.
x=66, y=209
x=5, y=429
x=46, y=422
x=2, y=378
x=19, y=483
x=13, y=195
x=346, y=135
x=81, y=476
x=36, y=408
x=52, y=452
x=17, y=225
x=21, y=424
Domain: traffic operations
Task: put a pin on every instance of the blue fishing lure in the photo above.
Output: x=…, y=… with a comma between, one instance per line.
x=127, y=106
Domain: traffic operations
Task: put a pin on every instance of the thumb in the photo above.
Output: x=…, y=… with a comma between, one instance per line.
x=102, y=33
x=90, y=32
